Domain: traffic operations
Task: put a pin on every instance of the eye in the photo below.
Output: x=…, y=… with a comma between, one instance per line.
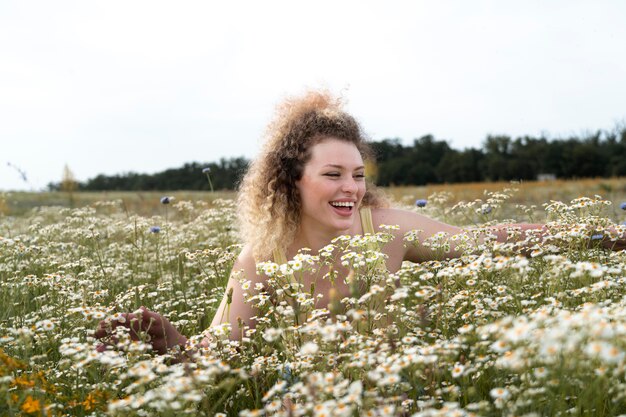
x=359, y=176
x=332, y=174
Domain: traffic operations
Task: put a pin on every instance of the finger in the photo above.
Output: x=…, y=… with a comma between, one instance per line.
x=111, y=341
x=153, y=323
x=137, y=325
x=103, y=330
x=107, y=327
x=146, y=322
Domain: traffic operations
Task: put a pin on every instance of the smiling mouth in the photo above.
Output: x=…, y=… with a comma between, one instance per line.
x=343, y=206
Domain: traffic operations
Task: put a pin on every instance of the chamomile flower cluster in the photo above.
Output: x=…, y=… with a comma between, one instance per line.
x=534, y=324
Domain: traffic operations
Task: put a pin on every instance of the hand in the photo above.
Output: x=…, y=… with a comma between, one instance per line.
x=619, y=244
x=162, y=334
x=614, y=240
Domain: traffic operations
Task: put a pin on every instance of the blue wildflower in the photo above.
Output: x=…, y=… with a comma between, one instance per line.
x=597, y=236
x=486, y=209
x=206, y=170
x=155, y=229
x=420, y=202
x=287, y=375
x=623, y=205
x=166, y=200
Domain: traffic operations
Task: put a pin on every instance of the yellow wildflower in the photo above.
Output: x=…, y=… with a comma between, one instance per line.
x=31, y=405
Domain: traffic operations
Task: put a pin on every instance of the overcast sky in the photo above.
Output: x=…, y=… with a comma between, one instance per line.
x=117, y=86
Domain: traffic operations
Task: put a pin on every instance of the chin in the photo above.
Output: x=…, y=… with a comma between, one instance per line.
x=343, y=226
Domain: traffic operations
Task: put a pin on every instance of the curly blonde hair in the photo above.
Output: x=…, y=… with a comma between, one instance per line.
x=269, y=201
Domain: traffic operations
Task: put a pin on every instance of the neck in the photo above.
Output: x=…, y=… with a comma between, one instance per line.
x=313, y=237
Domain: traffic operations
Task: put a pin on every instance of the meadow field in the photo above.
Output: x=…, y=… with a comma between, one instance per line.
x=532, y=327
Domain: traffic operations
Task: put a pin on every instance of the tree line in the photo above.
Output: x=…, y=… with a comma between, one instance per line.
x=426, y=161
x=431, y=161
x=224, y=175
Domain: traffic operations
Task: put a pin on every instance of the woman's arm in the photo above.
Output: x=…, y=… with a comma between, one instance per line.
x=163, y=336
x=233, y=309
x=410, y=221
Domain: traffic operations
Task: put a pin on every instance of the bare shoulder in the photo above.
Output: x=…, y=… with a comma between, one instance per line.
x=245, y=265
x=233, y=303
x=395, y=216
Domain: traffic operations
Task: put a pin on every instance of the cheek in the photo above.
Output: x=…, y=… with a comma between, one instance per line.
x=306, y=190
x=362, y=189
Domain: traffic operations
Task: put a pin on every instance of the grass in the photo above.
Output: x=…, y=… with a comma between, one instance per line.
x=530, y=192
x=145, y=203
x=492, y=333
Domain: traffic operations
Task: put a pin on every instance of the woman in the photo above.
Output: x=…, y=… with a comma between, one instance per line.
x=306, y=187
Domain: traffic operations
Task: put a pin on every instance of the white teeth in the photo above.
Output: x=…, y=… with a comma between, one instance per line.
x=342, y=203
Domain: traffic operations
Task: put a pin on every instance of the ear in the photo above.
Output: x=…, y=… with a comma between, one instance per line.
x=295, y=193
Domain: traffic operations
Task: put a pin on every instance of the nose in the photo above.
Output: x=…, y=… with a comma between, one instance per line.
x=350, y=186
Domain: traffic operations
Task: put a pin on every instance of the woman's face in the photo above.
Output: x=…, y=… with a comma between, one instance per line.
x=332, y=186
